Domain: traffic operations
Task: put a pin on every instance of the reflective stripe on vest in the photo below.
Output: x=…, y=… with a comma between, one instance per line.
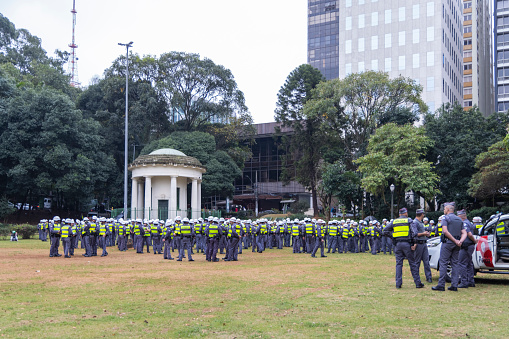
x=65, y=231
x=102, y=229
x=185, y=229
x=401, y=228
x=309, y=228
x=213, y=230
x=501, y=228
x=333, y=230
x=295, y=230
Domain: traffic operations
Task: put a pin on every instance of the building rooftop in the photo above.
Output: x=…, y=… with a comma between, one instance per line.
x=167, y=151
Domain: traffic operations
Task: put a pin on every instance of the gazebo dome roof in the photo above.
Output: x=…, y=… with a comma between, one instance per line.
x=166, y=156
x=167, y=151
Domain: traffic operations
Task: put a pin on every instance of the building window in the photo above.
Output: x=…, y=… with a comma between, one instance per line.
x=348, y=3
x=415, y=36
x=415, y=12
x=348, y=46
x=361, y=21
x=467, y=42
x=467, y=5
x=360, y=66
x=430, y=84
x=401, y=63
x=401, y=38
x=430, y=9
x=374, y=65
x=348, y=23
x=374, y=19
x=466, y=67
x=467, y=17
x=388, y=18
x=430, y=59
x=388, y=40
x=374, y=42
x=388, y=65
x=467, y=78
x=348, y=69
x=502, y=4
x=401, y=14
x=467, y=90
x=430, y=34
x=467, y=29
x=431, y=106
x=361, y=2
x=415, y=60
x=467, y=54
x=361, y=45
x=467, y=103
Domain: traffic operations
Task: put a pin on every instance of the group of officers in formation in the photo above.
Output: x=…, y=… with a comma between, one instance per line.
x=406, y=237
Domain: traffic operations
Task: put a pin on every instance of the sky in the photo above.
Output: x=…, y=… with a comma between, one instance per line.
x=260, y=41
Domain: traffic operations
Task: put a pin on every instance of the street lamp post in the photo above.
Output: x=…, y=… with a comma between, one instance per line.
x=392, y=200
x=130, y=44
x=255, y=188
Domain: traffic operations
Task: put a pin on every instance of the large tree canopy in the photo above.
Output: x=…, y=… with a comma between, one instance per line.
x=304, y=145
x=459, y=137
x=396, y=155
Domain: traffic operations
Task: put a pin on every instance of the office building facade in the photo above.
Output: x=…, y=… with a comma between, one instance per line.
x=478, y=87
x=501, y=38
x=418, y=39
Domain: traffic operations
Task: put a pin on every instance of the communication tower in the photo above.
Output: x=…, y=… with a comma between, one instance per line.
x=73, y=62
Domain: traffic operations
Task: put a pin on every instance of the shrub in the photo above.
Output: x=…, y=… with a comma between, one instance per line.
x=26, y=231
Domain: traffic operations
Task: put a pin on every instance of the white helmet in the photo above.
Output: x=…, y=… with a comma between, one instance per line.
x=185, y=220
x=56, y=218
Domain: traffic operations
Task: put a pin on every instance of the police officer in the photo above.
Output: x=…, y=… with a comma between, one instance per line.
x=55, y=232
x=454, y=236
x=122, y=241
x=212, y=232
x=319, y=238
x=65, y=235
x=477, y=221
x=155, y=233
x=104, y=232
x=421, y=250
x=465, y=256
x=138, y=236
x=167, y=237
x=235, y=233
x=375, y=232
x=85, y=234
x=146, y=239
x=403, y=232
x=186, y=234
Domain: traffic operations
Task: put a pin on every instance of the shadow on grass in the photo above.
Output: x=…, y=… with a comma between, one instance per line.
x=497, y=280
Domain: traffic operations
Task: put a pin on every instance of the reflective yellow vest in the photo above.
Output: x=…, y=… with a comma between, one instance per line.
x=65, y=231
x=295, y=230
x=213, y=230
x=401, y=228
x=333, y=230
x=501, y=228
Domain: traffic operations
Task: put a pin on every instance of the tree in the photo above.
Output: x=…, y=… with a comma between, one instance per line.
x=221, y=168
x=351, y=109
x=492, y=179
x=459, y=137
x=304, y=144
x=396, y=155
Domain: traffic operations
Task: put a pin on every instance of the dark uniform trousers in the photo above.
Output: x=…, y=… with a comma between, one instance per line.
x=319, y=242
x=296, y=244
x=185, y=244
x=167, y=250
x=449, y=253
x=466, y=265
x=233, y=248
x=421, y=254
x=403, y=251
x=212, y=249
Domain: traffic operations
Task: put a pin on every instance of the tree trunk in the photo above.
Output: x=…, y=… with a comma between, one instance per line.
x=315, y=201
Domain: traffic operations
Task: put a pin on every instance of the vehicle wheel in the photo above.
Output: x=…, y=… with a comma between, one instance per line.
x=449, y=273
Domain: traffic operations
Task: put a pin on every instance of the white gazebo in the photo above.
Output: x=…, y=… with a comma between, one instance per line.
x=160, y=183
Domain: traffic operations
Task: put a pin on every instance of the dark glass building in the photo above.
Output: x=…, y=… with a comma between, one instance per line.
x=323, y=37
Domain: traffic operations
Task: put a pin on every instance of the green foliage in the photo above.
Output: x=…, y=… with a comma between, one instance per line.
x=305, y=143
x=396, y=156
x=486, y=212
x=459, y=137
x=299, y=207
x=341, y=183
x=493, y=176
x=351, y=109
x=5, y=209
x=25, y=231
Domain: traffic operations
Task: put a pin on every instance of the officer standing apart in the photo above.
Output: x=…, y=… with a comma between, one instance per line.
x=421, y=251
x=55, y=232
x=465, y=256
x=452, y=239
x=403, y=233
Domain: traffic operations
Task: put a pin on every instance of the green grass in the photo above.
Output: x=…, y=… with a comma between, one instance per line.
x=267, y=295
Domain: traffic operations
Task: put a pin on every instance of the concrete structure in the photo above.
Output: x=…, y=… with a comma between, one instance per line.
x=419, y=39
x=160, y=184
x=502, y=54
x=478, y=88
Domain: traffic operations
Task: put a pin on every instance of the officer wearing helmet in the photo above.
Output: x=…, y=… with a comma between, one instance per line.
x=477, y=222
x=320, y=234
x=55, y=230
x=186, y=234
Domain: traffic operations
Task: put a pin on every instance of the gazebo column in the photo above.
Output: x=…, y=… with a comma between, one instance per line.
x=134, y=198
x=139, y=206
x=173, y=197
x=148, y=198
x=199, y=198
x=194, y=199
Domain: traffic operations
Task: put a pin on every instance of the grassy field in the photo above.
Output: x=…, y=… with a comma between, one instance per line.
x=266, y=295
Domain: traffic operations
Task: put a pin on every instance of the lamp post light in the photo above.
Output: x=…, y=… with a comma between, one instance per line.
x=392, y=200
x=255, y=188
x=130, y=44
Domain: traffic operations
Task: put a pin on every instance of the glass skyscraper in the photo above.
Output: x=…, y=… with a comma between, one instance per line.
x=323, y=37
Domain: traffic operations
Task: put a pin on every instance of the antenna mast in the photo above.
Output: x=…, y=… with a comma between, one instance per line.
x=73, y=62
